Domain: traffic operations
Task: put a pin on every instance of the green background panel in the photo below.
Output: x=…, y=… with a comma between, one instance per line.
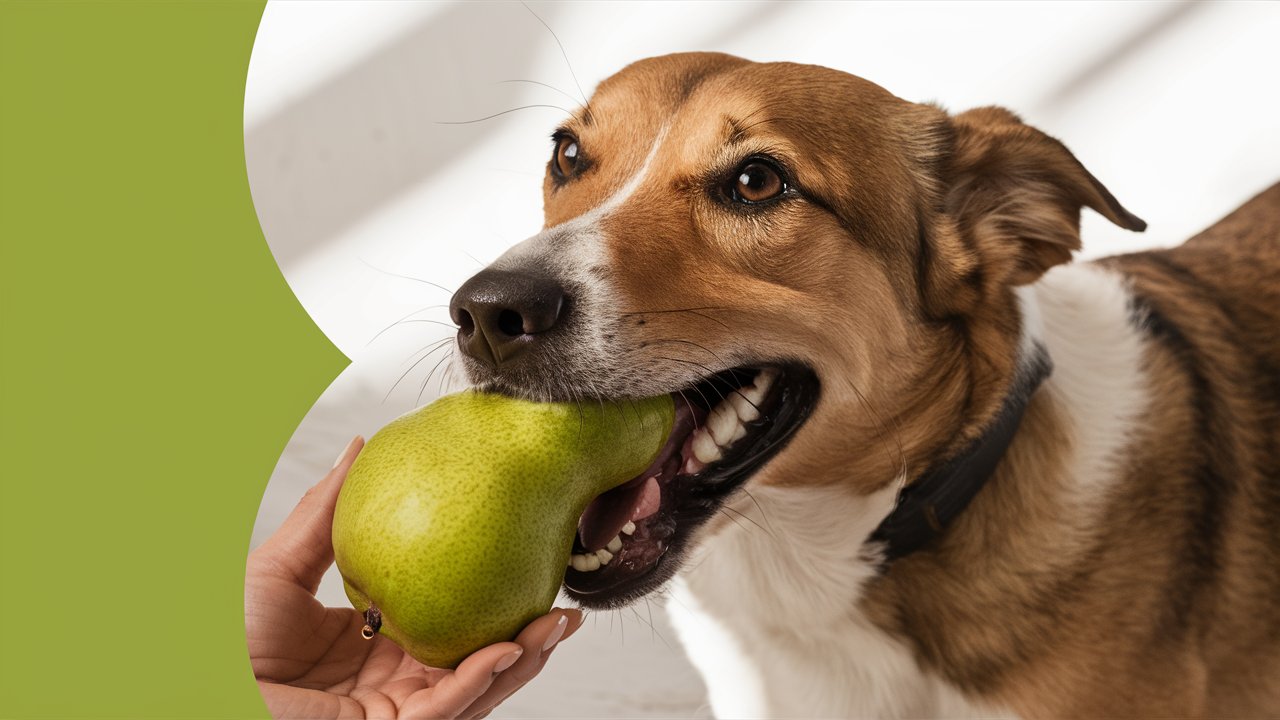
x=153, y=362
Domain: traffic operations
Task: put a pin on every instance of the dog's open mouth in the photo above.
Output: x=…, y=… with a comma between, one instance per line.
x=630, y=539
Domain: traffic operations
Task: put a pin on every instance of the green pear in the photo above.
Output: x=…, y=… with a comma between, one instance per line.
x=454, y=527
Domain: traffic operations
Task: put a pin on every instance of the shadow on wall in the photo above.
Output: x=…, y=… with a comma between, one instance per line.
x=385, y=123
x=1159, y=26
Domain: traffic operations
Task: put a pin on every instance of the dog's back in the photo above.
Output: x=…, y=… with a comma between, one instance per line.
x=1212, y=306
x=1231, y=269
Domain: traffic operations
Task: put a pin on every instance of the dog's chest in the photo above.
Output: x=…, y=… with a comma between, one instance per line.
x=768, y=614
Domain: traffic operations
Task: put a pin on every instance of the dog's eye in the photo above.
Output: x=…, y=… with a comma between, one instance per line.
x=564, y=163
x=756, y=181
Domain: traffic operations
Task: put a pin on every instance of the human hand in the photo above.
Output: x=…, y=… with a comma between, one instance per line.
x=311, y=661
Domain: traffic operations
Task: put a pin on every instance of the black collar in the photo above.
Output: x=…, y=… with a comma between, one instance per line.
x=926, y=507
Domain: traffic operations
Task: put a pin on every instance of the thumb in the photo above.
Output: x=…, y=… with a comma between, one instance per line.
x=302, y=549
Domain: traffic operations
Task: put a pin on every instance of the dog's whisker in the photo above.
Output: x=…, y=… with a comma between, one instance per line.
x=713, y=379
x=405, y=374
x=688, y=404
x=423, y=389
x=402, y=319
x=635, y=407
x=451, y=370
x=404, y=277
x=882, y=428
x=622, y=626
x=577, y=401
x=742, y=130
x=504, y=112
x=537, y=82
x=653, y=630
x=749, y=401
x=649, y=607
x=425, y=348
x=763, y=515
x=564, y=54
x=676, y=341
x=749, y=519
x=698, y=389
x=674, y=310
x=671, y=310
x=717, y=382
x=705, y=316
x=425, y=320
x=744, y=528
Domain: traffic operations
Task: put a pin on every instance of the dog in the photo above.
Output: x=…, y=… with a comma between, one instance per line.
x=922, y=465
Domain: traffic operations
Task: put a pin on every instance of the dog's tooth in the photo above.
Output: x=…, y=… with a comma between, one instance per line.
x=616, y=543
x=745, y=411
x=721, y=423
x=604, y=555
x=692, y=466
x=591, y=561
x=765, y=378
x=627, y=529
x=704, y=447
x=756, y=391
x=579, y=563
x=739, y=432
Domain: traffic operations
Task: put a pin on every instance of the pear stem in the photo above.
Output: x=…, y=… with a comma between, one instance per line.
x=372, y=622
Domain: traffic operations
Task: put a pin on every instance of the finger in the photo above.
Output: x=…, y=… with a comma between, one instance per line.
x=460, y=688
x=506, y=684
x=539, y=639
x=303, y=546
x=576, y=619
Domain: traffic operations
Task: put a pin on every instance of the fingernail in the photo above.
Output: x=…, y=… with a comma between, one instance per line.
x=557, y=633
x=346, y=451
x=507, y=661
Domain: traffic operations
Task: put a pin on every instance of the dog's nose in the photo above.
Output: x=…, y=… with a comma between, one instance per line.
x=500, y=313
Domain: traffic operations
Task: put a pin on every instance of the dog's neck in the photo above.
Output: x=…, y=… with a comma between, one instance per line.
x=927, y=506
x=789, y=589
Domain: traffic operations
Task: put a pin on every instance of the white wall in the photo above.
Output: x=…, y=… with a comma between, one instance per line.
x=360, y=187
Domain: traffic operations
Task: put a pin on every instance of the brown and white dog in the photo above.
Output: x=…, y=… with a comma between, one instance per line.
x=923, y=466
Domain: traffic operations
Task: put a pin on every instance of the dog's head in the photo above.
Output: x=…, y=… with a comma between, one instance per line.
x=820, y=271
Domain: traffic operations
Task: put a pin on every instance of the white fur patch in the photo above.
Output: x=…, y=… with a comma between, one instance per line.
x=614, y=201
x=578, y=240
x=1082, y=315
x=768, y=615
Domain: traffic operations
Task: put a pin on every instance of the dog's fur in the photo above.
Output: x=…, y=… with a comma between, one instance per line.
x=1123, y=560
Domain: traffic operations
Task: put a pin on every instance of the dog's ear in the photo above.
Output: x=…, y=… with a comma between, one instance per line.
x=1015, y=195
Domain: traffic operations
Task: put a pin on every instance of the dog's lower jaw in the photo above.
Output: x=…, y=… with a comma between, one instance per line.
x=767, y=611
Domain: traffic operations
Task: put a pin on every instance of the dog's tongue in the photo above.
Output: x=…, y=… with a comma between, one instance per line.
x=606, y=515
x=640, y=497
